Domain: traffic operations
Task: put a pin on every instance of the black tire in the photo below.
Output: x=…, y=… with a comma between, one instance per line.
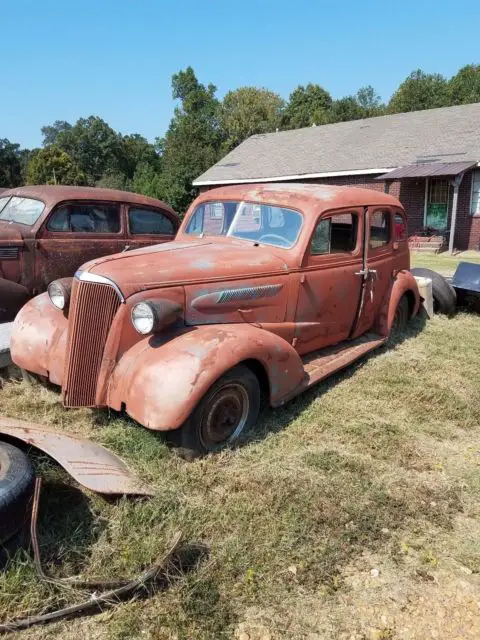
x=229, y=408
x=401, y=317
x=16, y=490
x=444, y=296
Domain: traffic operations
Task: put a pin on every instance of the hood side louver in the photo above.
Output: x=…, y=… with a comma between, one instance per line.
x=9, y=253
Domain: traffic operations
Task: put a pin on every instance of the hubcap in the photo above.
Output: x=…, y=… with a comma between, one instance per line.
x=224, y=417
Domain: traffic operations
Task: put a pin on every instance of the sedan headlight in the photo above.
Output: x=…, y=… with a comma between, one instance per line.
x=152, y=316
x=143, y=318
x=59, y=293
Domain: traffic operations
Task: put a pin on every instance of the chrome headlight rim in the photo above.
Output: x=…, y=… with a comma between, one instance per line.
x=59, y=295
x=149, y=318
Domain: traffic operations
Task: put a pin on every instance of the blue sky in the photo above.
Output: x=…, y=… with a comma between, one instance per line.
x=64, y=59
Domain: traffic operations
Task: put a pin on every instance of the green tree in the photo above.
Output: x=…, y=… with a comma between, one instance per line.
x=345, y=109
x=307, y=106
x=464, y=87
x=420, y=91
x=52, y=165
x=50, y=133
x=148, y=181
x=135, y=150
x=10, y=164
x=193, y=140
x=114, y=180
x=370, y=102
x=247, y=111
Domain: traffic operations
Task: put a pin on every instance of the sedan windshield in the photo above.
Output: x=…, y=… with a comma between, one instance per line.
x=22, y=210
x=261, y=223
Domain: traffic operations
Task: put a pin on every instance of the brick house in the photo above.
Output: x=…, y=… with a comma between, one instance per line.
x=429, y=159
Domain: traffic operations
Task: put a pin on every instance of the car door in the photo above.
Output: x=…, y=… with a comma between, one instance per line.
x=330, y=282
x=74, y=233
x=148, y=225
x=380, y=245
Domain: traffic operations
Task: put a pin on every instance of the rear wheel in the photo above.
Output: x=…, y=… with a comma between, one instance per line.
x=402, y=314
x=227, y=410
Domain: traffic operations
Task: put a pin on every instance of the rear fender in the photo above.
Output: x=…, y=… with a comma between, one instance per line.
x=39, y=339
x=403, y=283
x=161, y=379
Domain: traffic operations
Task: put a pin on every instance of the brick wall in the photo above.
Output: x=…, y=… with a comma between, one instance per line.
x=411, y=194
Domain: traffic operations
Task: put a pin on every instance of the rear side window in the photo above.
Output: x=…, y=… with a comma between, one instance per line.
x=149, y=221
x=337, y=234
x=400, y=228
x=86, y=218
x=379, y=229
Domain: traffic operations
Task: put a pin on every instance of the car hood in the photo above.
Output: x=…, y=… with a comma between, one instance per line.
x=181, y=262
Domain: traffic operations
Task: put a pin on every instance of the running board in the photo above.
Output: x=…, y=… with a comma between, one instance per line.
x=321, y=364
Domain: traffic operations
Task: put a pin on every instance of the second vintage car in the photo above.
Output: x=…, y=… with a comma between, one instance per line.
x=267, y=288
x=47, y=232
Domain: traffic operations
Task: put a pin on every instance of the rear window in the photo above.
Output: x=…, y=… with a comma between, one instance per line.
x=379, y=229
x=21, y=210
x=400, y=228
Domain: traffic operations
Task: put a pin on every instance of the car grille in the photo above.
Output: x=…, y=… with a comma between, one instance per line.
x=9, y=253
x=92, y=309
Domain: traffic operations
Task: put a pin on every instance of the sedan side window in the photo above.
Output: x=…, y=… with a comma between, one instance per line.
x=149, y=221
x=337, y=234
x=379, y=229
x=86, y=218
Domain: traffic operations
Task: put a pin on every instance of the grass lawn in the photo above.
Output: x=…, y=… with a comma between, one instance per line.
x=443, y=262
x=353, y=514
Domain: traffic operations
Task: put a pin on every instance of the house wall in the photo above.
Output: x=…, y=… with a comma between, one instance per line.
x=411, y=194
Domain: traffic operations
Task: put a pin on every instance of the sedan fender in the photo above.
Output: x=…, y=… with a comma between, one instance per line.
x=161, y=379
x=39, y=339
x=12, y=297
x=90, y=464
x=403, y=284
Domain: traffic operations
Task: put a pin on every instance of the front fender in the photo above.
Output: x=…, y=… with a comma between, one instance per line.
x=12, y=297
x=403, y=283
x=39, y=339
x=160, y=380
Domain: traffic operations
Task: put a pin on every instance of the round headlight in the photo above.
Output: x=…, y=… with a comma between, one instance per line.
x=57, y=294
x=143, y=318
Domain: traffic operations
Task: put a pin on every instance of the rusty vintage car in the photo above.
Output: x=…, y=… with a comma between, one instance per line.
x=267, y=288
x=47, y=232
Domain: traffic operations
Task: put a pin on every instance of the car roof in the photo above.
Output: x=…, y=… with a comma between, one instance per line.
x=51, y=194
x=297, y=195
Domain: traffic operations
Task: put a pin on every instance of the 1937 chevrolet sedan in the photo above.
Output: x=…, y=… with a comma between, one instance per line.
x=267, y=288
x=48, y=231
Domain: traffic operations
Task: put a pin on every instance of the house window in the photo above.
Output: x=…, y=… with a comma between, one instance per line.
x=475, y=210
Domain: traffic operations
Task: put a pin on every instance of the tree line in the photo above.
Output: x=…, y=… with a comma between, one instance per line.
x=203, y=129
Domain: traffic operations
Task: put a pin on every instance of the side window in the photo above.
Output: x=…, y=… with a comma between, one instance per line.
x=379, y=229
x=337, y=234
x=86, y=218
x=400, y=228
x=149, y=221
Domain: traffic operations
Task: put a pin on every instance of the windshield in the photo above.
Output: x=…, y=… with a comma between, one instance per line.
x=261, y=223
x=22, y=210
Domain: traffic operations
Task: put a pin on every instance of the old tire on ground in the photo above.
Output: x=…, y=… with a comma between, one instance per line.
x=16, y=489
x=444, y=296
x=229, y=408
x=402, y=314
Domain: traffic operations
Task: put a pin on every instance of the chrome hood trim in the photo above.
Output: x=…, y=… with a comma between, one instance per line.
x=85, y=276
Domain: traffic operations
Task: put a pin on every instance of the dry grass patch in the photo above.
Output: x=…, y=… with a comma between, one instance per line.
x=378, y=465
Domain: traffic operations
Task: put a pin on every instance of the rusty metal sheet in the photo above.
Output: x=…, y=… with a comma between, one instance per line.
x=428, y=169
x=90, y=464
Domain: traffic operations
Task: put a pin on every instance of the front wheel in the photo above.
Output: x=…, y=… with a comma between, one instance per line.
x=227, y=410
x=400, y=319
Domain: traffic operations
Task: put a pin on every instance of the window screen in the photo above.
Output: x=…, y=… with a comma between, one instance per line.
x=86, y=218
x=379, y=229
x=150, y=221
x=337, y=234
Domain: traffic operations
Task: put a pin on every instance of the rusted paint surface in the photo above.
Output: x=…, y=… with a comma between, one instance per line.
x=241, y=301
x=32, y=256
x=90, y=464
x=176, y=369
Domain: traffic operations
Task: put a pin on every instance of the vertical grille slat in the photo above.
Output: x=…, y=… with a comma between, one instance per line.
x=92, y=311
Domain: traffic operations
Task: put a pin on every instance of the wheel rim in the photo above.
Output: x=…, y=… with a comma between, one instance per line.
x=225, y=416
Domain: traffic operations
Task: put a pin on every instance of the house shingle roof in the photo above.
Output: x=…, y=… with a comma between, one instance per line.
x=450, y=134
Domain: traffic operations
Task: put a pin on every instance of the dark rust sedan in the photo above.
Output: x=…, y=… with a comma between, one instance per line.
x=47, y=232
